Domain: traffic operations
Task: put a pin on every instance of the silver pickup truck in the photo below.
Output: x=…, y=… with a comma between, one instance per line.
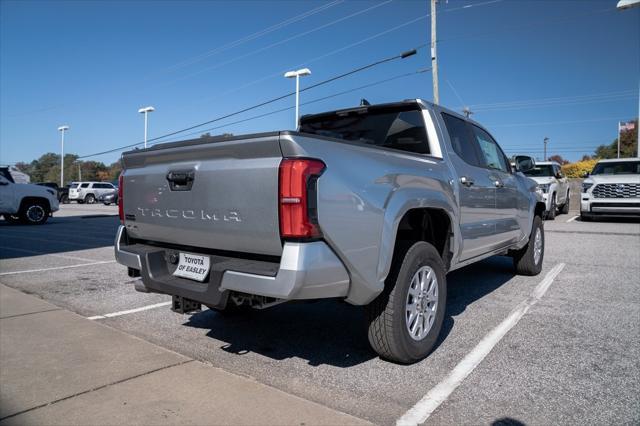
x=372, y=205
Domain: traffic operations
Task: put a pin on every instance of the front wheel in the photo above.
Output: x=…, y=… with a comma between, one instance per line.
x=528, y=260
x=406, y=318
x=35, y=213
x=551, y=214
x=565, y=206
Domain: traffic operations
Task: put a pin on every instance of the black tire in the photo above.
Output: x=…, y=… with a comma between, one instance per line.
x=64, y=199
x=565, y=206
x=387, y=315
x=524, y=259
x=585, y=218
x=551, y=214
x=106, y=204
x=34, y=212
x=90, y=199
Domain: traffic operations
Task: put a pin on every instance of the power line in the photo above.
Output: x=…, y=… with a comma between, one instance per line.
x=255, y=117
x=286, y=40
x=341, y=49
x=255, y=35
x=270, y=101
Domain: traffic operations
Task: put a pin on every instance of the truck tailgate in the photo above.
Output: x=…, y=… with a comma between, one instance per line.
x=217, y=195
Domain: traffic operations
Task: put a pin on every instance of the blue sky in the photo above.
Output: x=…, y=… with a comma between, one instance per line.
x=567, y=70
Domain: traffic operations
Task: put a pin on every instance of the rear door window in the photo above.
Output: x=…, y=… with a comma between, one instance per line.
x=462, y=140
x=84, y=185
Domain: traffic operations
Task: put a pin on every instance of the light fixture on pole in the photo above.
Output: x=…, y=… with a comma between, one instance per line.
x=297, y=74
x=62, y=129
x=146, y=111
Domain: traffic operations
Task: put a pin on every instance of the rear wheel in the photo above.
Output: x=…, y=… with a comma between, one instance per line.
x=406, y=318
x=34, y=213
x=565, y=206
x=90, y=199
x=528, y=260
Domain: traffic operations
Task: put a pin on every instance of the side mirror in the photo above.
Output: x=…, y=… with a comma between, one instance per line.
x=3, y=181
x=585, y=175
x=524, y=163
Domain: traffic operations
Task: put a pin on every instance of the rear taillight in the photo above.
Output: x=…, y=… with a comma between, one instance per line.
x=298, y=210
x=120, y=198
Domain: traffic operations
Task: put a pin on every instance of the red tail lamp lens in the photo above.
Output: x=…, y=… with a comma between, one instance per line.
x=297, y=180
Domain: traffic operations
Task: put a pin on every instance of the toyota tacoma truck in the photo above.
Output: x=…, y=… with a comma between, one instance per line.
x=611, y=189
x=372, y=205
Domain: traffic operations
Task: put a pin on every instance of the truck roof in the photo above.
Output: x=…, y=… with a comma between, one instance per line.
x=618, y=160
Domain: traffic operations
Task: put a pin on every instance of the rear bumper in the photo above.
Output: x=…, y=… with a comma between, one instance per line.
x=305, y=271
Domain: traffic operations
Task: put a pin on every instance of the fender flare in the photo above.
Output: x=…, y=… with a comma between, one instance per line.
x=399, y=203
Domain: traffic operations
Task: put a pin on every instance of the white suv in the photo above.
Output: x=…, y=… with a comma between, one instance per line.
x=553, y=185
x=89, y=192
x=612, y=189
x=24, y=202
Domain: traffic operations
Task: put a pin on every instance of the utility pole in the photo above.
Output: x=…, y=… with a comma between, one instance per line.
x=546, y=140
x=79, y=173
x=434, y=57
x=619, y=139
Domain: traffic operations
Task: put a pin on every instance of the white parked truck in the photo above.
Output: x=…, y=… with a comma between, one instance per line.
x=24, y=202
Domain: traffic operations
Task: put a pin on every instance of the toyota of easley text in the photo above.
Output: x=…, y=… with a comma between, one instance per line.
x=372, y=205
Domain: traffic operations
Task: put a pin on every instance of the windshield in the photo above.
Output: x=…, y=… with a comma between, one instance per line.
x=540, y=170
x=617, y=168
x=398, y=128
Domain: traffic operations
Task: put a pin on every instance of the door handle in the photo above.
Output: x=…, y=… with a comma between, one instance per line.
x=466, y=181
x=498, y=184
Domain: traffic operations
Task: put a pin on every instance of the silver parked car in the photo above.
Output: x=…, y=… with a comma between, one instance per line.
x=553, y=185
x=611, y=189
x=89, y=192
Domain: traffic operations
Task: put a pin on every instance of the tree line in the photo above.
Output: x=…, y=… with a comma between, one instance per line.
x=47, y=169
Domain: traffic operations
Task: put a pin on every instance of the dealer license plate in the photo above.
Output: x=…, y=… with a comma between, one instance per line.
x=193, y=266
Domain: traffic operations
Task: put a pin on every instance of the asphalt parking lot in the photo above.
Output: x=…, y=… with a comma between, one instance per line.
x=574, y=357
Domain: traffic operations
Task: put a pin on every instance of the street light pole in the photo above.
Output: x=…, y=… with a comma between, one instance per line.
x=434, y=56
x=62, y=129
x=622, y=5
x=297, y=74
x=146, y=111
x=546, y=140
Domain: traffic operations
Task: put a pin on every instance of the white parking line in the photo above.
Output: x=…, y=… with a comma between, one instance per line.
x=56, y=268
x=62, y=256
x=129, y=311
x=420, y=412
x=572, y=219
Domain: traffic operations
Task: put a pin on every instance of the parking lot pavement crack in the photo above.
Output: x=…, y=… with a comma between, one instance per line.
x=97, y=388
x=30, y=313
